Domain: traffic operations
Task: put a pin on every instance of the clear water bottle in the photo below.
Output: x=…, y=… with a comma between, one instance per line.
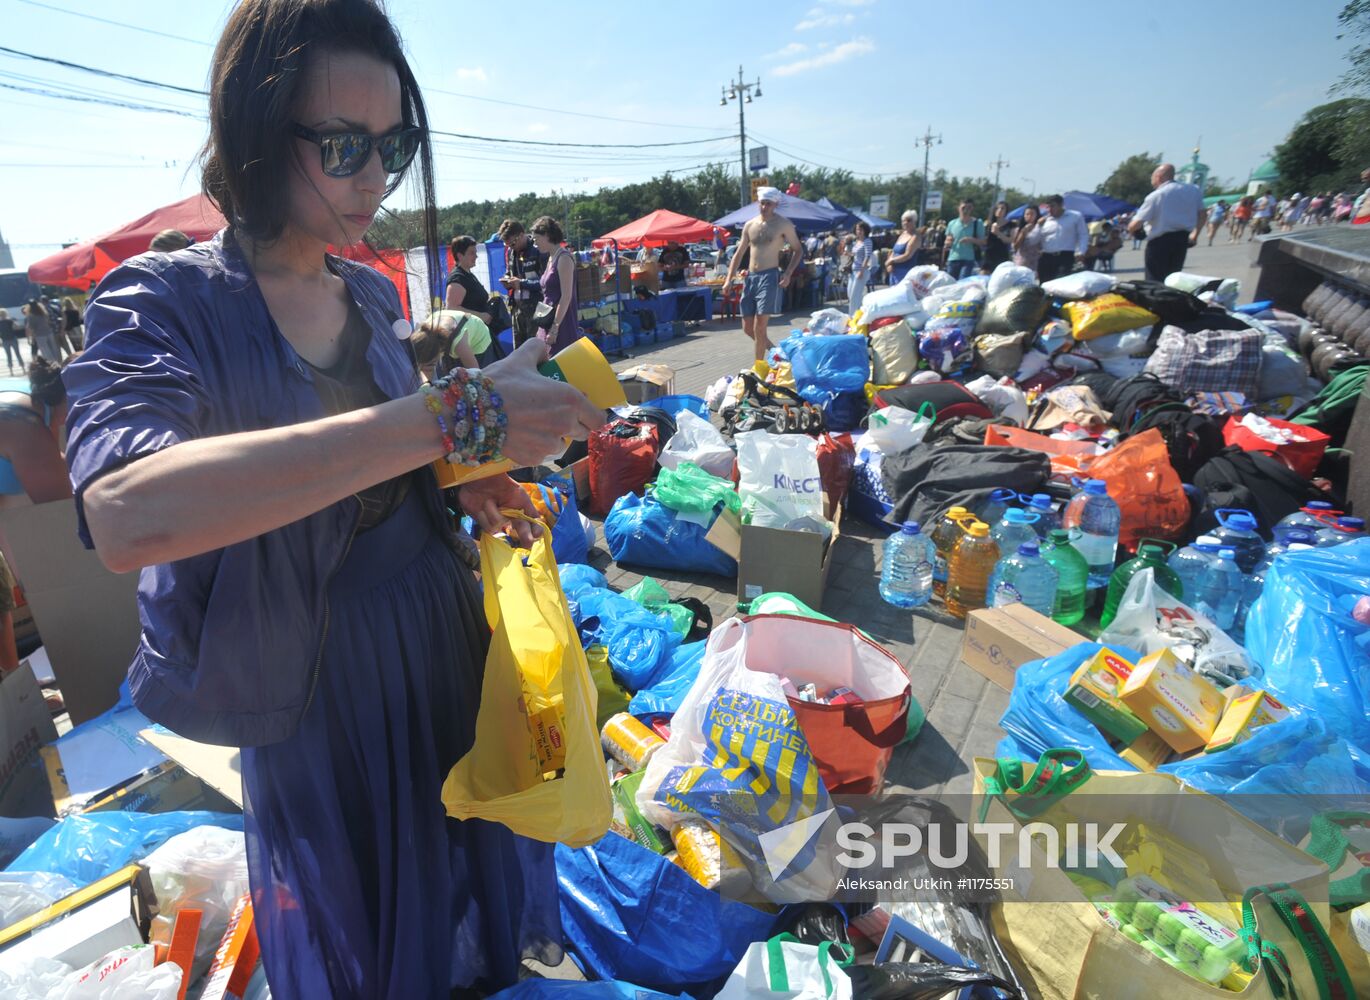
x=1024, y=577
x=1016, y=527
x=1189, y=564
x=1286, y=538
x=1236, y=530
x=906, y=567
x=993, y=509
x=1307, y=516
x=1099, y=520
x=1220, y=589
x=1072, y=577
x=1344, y=530
x=1047, y=518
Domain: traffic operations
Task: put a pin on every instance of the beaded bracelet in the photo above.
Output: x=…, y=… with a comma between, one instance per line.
x=478, y=423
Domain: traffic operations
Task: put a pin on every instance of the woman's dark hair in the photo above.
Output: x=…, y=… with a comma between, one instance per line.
x=429, y=341
x=547, y=226
x=45, y=382
x=255, y=88
x=461, y=244
x=36, y=306
x=1035, y=209
x=169, y=241
x=863, y=228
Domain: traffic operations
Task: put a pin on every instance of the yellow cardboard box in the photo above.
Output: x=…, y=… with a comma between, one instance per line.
x=1180, y=706
x=1147, y=752
x=1244, y=714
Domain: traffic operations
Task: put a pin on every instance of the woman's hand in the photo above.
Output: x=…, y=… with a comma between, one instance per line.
x=486, y=499
x=542, y=412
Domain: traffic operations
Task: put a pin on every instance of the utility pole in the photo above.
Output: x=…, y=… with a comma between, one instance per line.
x=742, y=93
x=927, y=141
x=998, y=165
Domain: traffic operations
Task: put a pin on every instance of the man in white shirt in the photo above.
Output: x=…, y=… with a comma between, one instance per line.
x=1263, y=212
x=1173, y=214
x=1065, y=238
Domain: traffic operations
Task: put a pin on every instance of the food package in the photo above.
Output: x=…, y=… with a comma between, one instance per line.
x=629, y=742
x=1178, y=704
x=700, y=851
x=1243, y=715
x=638, y=827
x=1147, y=752
x=1093, y=692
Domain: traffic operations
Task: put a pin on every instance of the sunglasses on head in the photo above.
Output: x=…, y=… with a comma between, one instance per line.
x=342, y=154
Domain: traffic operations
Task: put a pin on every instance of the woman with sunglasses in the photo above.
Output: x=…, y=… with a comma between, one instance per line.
x=248, y=430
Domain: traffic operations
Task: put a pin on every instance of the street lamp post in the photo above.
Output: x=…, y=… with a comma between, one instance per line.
x=1034, y=187
x=926, y=141
x=742, y=93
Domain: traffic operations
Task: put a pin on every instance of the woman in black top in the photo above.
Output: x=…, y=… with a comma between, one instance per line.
x=72, y=325
x=465, y=293
x=999, y=236
x=9, y=336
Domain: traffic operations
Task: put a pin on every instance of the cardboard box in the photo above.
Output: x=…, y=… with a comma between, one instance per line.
x=775, y=559
x=1093, y=692
x=643, y=383
x=587, y=282
x=1147, y=752
x=169, y=787
x=83, y=927
x=218, y=767
x=615, y=282
x=647, y=276
x=1179, y=705
x=25, y=727
x=1000, y=640
x=1242, y=715
x=97, y=757
x=642, y=829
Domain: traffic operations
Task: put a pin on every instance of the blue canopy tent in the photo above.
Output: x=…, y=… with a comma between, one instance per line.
x=1091, y=206
x=874, y=221
x=855, y=215
x=807, y=216
x=848, y=216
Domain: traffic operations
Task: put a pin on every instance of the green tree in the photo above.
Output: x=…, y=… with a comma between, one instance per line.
x=1315, y=157
x=1131, y=179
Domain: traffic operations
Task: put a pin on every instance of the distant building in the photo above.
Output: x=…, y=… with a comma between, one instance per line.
x=1263, y=178
x=6, y=258
x=1194, y=172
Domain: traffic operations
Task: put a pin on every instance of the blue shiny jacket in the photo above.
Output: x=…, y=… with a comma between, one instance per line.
x=181, y=346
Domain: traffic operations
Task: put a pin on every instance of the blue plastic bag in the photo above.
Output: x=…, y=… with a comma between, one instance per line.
x=674, y=404
x=627, y=913
x=666, y=693
x=640, y=531
x=569, y=544
x=821, y=365
x=569, y=989
x=640, y=644
x=576, y=577
x=1300, y=630
x=86, y=847
x=842, y=411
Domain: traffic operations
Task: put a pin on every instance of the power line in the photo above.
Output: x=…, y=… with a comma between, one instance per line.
x=117, y=24
x=110, y=74
x=98, y=100
x=563, y=111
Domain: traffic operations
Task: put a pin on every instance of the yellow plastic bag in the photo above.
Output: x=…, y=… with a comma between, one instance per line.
x=536, y=764
x=1105, y=314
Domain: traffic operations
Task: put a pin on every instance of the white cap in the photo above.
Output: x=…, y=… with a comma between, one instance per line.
x=768, y=194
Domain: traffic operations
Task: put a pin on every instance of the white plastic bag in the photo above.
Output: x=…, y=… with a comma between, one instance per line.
x=808, y=971
x=126, y=973
x=1226, y=294
x=23, y=894
x=591, y=531
x=894, y=354
x=925, y=278
x=893, y=300
x=1283, y=372
x=34, y=978
x=1010, y=275
x=1002, y=396
x=895, y=429
x=204, y=868
x=698, y=441
x=778, y=478
x=827, y=322
x=1118, y=344
x=1150, y=619
x=1080, y=285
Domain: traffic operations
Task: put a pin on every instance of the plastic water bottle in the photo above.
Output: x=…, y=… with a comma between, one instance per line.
x=1072, y=577
x=1047, y=518
x=1024, y=577
x=1099, y=519
x=1016, y=527
x=1255, y=583
x=1344, y=530
x=944, y=538
x=1189, y=564
x=1287, y=538
x=906, y=567
x=993, y=509
x=1220, y=589
x=1307, y=516
x=969, y=569
x=1150, y=555
x=1236, y=530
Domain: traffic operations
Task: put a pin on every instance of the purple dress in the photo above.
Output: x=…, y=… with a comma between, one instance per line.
x=569, y=331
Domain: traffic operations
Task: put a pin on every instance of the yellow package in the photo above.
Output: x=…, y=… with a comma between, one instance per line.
x=1093, y=692
x=782, y=375
x=1147, y=752
x=1105, y=314
x=1242, y=716
x=1180, y=706
x=872, y=389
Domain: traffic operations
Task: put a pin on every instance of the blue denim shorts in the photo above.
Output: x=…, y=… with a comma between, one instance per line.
x=761, y=293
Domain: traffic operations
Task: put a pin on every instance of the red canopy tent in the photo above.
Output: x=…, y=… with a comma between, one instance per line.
x=82, y=264
x=656, y=229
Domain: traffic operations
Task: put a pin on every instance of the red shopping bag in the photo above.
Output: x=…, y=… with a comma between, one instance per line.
x=1301, y=456
x=622, y=460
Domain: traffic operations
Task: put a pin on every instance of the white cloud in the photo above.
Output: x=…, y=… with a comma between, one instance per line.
x=537, y=127
x=789, y=51
x=852, y=3
x=817, y=17
x=835, y=55
x=471, y=74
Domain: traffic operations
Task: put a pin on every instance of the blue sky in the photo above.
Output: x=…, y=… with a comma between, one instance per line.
x=1063, y=90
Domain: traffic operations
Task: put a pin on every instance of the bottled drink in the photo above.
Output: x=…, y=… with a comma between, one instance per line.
x=1024, y=577
x=1220, y=589
x=993, y=509
x=1040, y=504
x=1255, y=583
x=1236, y=530
x=1072, y=577
x=1345, y=529
x=906, y=567
x=944, y=538
x=1287, y=538
x=968, y=572
x=1016, y=527
x=1150, y=555
x=1099, y=518
x=1307, y=516
x=1189, y=564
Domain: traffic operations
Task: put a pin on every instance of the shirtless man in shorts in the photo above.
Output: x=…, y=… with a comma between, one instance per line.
x=764, y=236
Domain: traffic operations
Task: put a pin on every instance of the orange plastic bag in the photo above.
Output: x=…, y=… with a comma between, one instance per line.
x=1068, y=458
x=1143, y=483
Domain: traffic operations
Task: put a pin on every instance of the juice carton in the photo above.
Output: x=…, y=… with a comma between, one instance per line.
x=1244, y=714
x=1093, y=692
x=1179, y=705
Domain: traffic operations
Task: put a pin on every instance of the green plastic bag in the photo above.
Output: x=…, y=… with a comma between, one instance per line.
x=612, y=698
x=655, y=598
x=689, y=489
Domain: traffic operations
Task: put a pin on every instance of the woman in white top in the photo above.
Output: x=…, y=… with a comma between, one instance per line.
x=862, y=265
